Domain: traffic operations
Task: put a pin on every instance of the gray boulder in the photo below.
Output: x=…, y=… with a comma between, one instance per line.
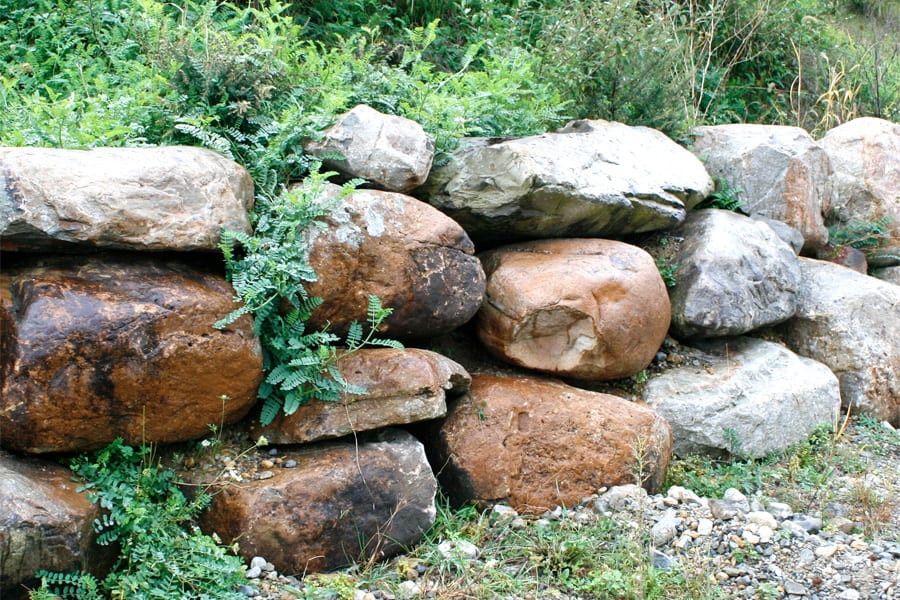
x=782, y=172
x=391, y=152
x=752, y=397
x=850, y=322
x=865, y=156
x=590, y=179
x=734, y=275
x=173, y=198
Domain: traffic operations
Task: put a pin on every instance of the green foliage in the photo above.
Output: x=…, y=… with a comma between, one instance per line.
x=667, y=272
x=724, y=197
x=862, y=235
x=145, y=514
x=269, y=270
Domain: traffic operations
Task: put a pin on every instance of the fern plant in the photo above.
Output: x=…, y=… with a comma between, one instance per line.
x=269, y=270
x=145, y=515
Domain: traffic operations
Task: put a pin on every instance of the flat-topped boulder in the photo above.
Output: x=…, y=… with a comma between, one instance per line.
x=590, y=179
x=170, y=198
x=417, y=260
x=582, y=308
x=402, y=387
x=781, y=172
x=95, y=349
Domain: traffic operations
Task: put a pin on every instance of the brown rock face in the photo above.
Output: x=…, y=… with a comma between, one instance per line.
x=587, y=309
x=171, y=198
x=340, y=504
x=101, y=349
x=44, y=524
x=538, y=443
x=417, y=260
x=404, y=386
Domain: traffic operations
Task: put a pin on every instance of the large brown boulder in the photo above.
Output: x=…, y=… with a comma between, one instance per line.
x=391, y=152
x=170, y=198
x=538, y=444
x=589, y=179
x=340, y=504
x=583, y=308
x=45, y=523
x=96, y=349
x=780, y=171
x=402, y=386
x=417, y=260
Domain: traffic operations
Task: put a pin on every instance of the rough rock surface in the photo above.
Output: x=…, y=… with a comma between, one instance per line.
x=865, y=156
x=170, y=198
x=761, y=392
x=889, y=274
x=95, y=349
x=403, y=386
x=409, y=254
x=583, y=308
x=538, y=443
x=781, y=171
x=392, y=152
x=590, y=179
x=340, y=503
x=734, y=275
x=850, y=322
x=44, y=524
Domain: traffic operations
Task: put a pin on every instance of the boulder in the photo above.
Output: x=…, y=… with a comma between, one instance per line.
x=169, y=198
x=45, y=523
x=403, y=386
x=850, y=322
x=781, y=171
x=391, y=152
x=590, y=179
x=537, y=443
x=889, y=274
x=417, y=260
x=586, y=309
x=865, y=156
x=788, y=234
x=751, y=397
x=342, y=503
x=97, y=349
x=734, y=274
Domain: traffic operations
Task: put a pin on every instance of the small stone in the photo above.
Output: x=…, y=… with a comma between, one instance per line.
x=273, y=451
x=409, y=589
x=665, y=529
x=780, y=510
x=724, y=511
x=258, y=561
x=458, y=549
x=289, y=464
x=661, y=561
x=265, y=475
x=849, y=594
x=736, y=497
x=794, y=529
x=765, y=534
x=750, y=538
x=762, y=518
x=683, y=495
x=809, y=524
x=254, y=572
x=503, y=511
x=842, y=524
x=792, y=588
x=267, y=464
x=806, y=556
x=826, y=551
x=704, y=526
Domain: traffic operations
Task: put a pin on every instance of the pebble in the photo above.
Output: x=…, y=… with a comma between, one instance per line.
x=289, y=464
x=458, y=549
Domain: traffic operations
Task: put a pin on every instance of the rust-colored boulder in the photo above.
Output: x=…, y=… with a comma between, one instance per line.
x=97, y=349
x=581, y=308
x=168, y=198
x=342, y=503
x=538, y=443
x=403, y=386
x=409, y=254
x=45, y=523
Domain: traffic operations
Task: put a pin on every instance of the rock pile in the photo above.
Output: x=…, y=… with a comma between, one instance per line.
x=104, y=342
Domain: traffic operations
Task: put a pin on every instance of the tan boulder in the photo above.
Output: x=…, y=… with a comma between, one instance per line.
x=538, y=443
x=409, y=254
x=391, y=152
x=95, y=349
x=403, y=386
x=45, y=523
x=783, y=174
x=341, y=503
x=581, y=308
x=169, y=198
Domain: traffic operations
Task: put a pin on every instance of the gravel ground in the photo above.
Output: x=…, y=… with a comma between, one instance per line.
x=838, y=541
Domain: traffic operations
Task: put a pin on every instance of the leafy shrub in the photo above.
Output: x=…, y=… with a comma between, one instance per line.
x=145, y=514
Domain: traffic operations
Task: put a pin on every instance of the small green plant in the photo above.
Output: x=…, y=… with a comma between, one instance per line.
x=161, y=555
x=735, y=445
x=269, y=270
x=667, y=272
x=724, y=197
